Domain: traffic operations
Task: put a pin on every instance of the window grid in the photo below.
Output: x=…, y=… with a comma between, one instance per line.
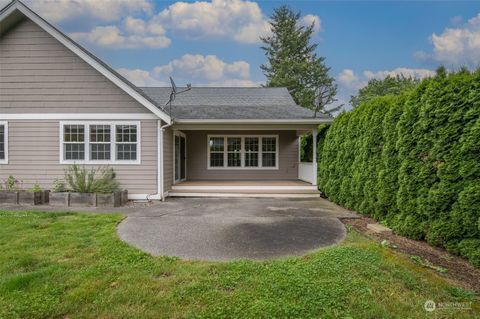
x=249, y=156
x=217, y=151
x=74, y=142
x=234, y=149
x=269, y=151
x=126, y=142
x=97, y=142
x=251, y=151
x=100, y=139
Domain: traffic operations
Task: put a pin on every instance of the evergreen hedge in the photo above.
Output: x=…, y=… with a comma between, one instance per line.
x=413, y=161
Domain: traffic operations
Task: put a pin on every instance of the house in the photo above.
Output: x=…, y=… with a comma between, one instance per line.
x=59, y=104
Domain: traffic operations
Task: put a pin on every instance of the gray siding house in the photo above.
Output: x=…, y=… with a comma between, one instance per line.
x=59, y=104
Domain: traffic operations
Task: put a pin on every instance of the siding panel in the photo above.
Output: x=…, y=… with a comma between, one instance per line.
x=40, y=75
x=34, y=154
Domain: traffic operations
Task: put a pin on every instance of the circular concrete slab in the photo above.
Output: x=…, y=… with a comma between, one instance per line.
x=207, y=229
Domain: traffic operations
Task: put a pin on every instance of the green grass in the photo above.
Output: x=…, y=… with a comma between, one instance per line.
x=74, y=265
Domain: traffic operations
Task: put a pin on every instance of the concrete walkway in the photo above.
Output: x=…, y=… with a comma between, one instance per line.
x=226, y=228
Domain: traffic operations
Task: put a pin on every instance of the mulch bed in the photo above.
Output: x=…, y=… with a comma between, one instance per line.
x=460, y=271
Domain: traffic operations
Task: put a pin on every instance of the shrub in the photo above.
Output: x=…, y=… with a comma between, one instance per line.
x=58, y=186
x=100, y=180
x=35, y=188
x=412, y=160
x=11, y=184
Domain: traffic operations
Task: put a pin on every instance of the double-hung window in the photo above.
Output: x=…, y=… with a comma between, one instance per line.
x=243, y=152
x=100, y=142
x=3, y=143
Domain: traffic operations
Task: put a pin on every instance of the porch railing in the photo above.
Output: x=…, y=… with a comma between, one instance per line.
x=305, y=172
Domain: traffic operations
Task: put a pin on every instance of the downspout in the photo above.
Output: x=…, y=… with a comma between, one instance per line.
x=160, y=173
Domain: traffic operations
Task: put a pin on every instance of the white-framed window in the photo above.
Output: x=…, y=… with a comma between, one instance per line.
x=3, y=142
x=242, y=151
x=100, y=142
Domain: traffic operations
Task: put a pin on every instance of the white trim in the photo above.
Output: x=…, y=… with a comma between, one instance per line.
x=83, y=55
x=180, y=134
x=159, y=157
x=5, y=160
x=254, y=121
x=242, y=152
x=314, y=159
x=113, y=142
x=242, y=187
x=144, y=196
x=252, y=195
x=79, y=116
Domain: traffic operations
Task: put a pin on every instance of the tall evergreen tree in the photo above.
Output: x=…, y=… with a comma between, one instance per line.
x=293, y=63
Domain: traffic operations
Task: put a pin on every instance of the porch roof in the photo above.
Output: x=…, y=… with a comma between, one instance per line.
x=229, y=103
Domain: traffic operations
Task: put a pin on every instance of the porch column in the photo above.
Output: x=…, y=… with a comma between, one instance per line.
x=314, y=159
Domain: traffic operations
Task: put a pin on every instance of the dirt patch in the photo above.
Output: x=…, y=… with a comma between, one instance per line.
x=460, y=271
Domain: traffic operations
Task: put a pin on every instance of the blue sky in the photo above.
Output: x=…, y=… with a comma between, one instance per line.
x=215, y=43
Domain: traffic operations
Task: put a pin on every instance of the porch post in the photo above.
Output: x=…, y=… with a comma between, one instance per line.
x=314, y=159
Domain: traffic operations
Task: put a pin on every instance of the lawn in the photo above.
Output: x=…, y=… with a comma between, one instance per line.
x=74, y=265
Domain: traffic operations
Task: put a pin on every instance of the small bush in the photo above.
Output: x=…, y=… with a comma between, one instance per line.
x=101, y=180
x=11, y=184
x=58, y=186
x=35, y=188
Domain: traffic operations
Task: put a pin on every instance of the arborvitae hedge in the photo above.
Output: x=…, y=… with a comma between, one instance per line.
x=413, y=161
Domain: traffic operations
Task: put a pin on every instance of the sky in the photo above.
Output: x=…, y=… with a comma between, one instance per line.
x=216, y=43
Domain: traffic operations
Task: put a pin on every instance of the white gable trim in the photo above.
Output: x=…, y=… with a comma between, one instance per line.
x=88, y=59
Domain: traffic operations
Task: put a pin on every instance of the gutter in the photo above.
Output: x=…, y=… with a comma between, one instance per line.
x=255, y=121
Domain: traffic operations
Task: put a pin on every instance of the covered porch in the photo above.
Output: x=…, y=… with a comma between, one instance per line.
x=242, y=161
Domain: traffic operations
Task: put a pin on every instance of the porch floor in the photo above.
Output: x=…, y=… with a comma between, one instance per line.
x=245, y=188
x=244, y=183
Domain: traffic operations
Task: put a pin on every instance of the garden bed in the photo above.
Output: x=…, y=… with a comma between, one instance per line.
x=115, y=199
x=24, y=197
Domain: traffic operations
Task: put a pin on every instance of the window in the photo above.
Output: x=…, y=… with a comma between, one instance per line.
x=234, y=155
x=251, y=151
x=100, y=142
x=74, y=142
x=217, y=147
x=269, y=151
x=3, y=142
x=243, y=152
x=126, y=139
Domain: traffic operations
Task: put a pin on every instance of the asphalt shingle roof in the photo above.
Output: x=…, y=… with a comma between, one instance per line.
x=230, y=103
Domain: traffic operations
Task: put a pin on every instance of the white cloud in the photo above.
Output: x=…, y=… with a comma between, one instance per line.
x=348, y=79
x=138, y=36
x=458, y=46
x=207, y=67
x=103, y=10
x=350, y=82
x=140, y=77
x=308, y=19
x=197, y=69
x=237, y=20
x=243, y=21
x=407, y=72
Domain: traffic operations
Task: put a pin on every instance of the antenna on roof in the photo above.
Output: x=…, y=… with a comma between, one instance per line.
x=174, y=93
